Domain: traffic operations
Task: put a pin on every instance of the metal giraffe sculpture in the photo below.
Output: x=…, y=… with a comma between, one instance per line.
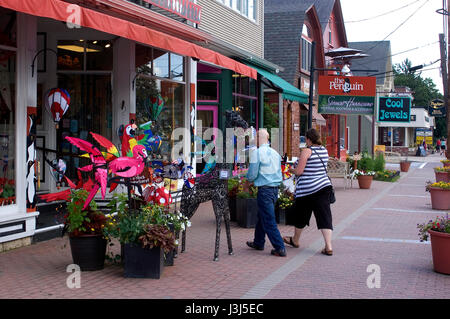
x=210, y=187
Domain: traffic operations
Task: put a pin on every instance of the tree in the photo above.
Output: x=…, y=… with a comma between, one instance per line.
x=424, y=90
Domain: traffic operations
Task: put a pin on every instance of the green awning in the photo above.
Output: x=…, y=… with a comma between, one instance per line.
x=290, y=92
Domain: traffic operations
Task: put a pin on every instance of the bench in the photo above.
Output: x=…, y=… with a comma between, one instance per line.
x=392, y=157
x=339, y=169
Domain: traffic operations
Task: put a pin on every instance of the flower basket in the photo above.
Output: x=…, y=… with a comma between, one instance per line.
x=88, y=251
x=440, y=198
x=142, y=262
x=365, y=181
x=440, y=248
x=404, y=166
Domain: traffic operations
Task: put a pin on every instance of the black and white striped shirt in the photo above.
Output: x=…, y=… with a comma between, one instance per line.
x=314, y=176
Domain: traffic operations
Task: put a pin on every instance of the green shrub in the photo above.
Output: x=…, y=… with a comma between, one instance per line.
x=366, y=163
x=379, y=163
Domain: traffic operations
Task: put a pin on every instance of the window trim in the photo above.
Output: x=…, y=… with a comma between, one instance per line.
x=231, y=7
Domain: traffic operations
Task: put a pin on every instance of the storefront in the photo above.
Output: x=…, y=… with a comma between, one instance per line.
x=112, y=70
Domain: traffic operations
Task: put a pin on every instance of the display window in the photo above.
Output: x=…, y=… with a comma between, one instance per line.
x=160, y=96
x=245, y=98
x=7, y=127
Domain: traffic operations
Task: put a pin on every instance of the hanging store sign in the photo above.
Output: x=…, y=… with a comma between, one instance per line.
x=347, y=95
x=183, y=8
x=437, y=108
x=394, y=109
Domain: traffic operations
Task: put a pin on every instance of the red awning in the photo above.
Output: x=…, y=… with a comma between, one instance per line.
x=58, y=10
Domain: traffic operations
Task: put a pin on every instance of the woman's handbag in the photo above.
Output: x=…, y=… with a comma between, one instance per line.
x=332, y=196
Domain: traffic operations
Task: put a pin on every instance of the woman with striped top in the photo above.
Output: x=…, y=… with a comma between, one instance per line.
x=312, y=192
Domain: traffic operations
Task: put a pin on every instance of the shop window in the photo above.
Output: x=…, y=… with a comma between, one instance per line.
x=245, y=98
x=208, y=91
x=99, y=55
x=71, y=55
x=176, y=67
x=82, y=55
x=248, y=109
x=160, y=64
x=8, y=27
x=151, y=61
x=172, y=113
x=7, y=127
x=90, y=111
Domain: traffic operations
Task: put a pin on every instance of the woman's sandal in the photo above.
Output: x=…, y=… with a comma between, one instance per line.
x=327, y=252
x=290, y=242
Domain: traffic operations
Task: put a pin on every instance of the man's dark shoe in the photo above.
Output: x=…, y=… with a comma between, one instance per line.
x=279, y=253
x=252, y=245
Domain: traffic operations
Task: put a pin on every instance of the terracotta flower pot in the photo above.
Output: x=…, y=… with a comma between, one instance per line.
x=440, y=248
x=440, y=198
x=404, y=166
x=364, y=181
x=442, y=177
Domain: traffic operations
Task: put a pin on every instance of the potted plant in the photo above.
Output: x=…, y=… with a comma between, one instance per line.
x=284, y=203
x=233, y=185
x=445, y=162
x=364, y=178
x=387, y=176
x=86, y=232
x=7, y=192
x=439, y=232
x=442, y=174
x=246, y=204
x=146, y=235
x=440, y=195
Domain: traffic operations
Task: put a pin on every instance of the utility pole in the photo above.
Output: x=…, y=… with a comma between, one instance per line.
x=311, y=83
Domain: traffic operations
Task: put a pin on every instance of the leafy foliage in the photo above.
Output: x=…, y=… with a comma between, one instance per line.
x=285, y=197
x=246, y=189
x=157, y=236
x=440, y=224
x=379, y=163
x=80, y=222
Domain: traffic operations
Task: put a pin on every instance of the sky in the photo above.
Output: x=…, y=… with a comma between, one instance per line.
x=418, y=25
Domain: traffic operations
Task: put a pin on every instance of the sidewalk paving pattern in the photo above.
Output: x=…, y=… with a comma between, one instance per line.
x=372, y=227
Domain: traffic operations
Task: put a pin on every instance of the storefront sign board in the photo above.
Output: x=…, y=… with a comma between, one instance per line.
x=437, y=108
x=394, y=109
x=184, y=8
x=347, y=95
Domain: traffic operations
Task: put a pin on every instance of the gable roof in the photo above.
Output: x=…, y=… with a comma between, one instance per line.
x=283, y=24
x=379, y=52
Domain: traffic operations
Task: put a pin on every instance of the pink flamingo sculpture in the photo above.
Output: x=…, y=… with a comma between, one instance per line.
x=98, y=166
x=130, y=166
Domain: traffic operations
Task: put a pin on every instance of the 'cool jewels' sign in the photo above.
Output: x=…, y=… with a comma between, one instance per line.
x=394, y=109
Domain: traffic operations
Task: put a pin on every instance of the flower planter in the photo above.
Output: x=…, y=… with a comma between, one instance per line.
x=440, y=248
x=232, y=207
x=365, y=181
x=442, y=177
x=143, y=262
x=280, y=216
x=88, y=251
x=404, y=166
x=169, y=257
x=440, y=198
x=246, y=212
x=446, y=164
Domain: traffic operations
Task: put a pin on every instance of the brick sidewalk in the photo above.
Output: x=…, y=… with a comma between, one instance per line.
x=39, y=270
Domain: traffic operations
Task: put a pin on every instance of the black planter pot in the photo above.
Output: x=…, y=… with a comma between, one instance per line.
x=232, y=206
x=280, y=216
x=88, y=251
x=169, y=257
x=246, y=212
x=143, y=262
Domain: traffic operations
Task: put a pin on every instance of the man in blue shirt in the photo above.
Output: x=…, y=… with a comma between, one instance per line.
x=265, y=172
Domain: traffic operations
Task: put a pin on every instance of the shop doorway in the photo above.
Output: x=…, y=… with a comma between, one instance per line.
x=208, y=115
x=90, y=111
